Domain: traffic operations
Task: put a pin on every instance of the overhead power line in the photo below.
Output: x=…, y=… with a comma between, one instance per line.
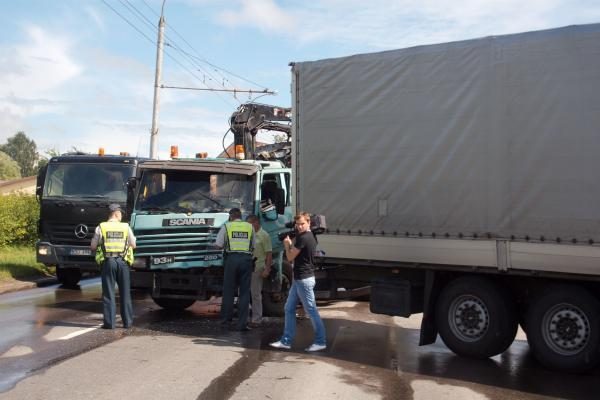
x=124, y=18
x=198, y=56
x=129, y=22
x=264, y=91
x=191, y=58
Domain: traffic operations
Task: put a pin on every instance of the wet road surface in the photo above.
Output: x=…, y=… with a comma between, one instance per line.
x=51, y=347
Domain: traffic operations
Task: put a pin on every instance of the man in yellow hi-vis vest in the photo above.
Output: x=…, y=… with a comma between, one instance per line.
x=113, y=243
x=236, y=237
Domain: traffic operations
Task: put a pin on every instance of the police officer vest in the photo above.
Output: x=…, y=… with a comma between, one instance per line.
x=239, y=237
x=114, y=242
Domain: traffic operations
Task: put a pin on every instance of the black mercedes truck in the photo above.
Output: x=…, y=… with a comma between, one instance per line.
x=75, y=191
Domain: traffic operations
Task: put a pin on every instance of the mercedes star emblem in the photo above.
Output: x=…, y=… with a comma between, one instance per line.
x=81, y=231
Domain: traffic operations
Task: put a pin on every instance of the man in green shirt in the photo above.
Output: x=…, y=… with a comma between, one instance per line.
x=263, y=254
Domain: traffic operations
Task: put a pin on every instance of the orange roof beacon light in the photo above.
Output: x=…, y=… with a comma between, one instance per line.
x=101, y=151
x=174, y=151
x=239, y=152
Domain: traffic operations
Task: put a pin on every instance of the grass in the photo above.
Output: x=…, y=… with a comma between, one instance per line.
x=18, y=263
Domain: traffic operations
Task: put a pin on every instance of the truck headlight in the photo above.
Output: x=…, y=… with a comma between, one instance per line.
x=44, y=250
x=140, y=263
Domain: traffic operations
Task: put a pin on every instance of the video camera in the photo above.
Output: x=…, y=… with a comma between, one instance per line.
x=317, y=226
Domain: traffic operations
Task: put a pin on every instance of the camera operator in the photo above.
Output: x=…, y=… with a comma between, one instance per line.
x=301, y=252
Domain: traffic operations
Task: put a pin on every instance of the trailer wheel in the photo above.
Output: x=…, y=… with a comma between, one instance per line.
x=563, y=326
x=69, y=277
x=173, y=304
x=475, y=318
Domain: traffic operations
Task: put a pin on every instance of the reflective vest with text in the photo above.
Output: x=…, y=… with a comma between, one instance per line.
x=239, y=237
x=114, y=241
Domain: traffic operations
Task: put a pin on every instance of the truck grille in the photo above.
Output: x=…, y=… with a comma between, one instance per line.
x=64, y=233
x=186, y=243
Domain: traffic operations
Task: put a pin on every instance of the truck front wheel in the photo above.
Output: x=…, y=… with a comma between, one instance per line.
x=274, y=302
x=475, y=318
x=173, y=304
x=563, y=325
x=69, y=277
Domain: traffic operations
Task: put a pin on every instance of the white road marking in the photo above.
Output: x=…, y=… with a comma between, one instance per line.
x=17, y=351
x=67, y=332
x=79, y=332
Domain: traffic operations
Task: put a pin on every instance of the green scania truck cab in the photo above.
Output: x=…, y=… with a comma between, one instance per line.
x=179, y=207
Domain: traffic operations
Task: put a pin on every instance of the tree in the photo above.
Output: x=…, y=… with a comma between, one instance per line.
x=43, y=161
x=9, y=169
x=24, y=151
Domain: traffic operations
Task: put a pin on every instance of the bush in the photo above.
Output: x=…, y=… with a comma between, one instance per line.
x=19, y=216
x=9, y=169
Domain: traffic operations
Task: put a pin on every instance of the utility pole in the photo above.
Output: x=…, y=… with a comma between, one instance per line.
x=157, y=80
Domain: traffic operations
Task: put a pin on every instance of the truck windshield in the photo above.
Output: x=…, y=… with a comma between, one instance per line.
x=106, y=181
x=194, y=191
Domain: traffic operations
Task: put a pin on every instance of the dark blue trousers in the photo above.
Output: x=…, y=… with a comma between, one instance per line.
x=237, y=274
x=115, y=270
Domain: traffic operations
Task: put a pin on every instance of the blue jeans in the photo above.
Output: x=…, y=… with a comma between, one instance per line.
x=115, y=270
x=238, y=273
x=302, y=290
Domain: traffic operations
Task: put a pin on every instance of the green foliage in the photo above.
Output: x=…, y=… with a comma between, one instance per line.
x=9, y=169
x=53, y=152
x=24, y=151
x=18, y=262
x=43, y=161
x=41, y=164
x=19, y=215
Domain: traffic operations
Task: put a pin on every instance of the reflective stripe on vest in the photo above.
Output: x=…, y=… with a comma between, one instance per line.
x=239, y=236
x=114, y=241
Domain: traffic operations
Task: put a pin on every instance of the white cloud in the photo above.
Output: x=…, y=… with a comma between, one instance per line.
x=265, y=15
x=384, y=24
x=30, y=74
x=38, y=66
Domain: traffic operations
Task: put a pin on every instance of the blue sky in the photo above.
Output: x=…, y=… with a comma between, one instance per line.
x=73, y=73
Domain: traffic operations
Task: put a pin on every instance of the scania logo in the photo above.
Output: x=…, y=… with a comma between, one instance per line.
x=81, y=231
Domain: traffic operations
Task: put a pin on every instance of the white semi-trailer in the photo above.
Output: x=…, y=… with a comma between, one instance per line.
x=461, y=179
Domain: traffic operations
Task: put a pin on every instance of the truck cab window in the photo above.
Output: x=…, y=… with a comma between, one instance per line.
x=194, y=191
x=87, y=180
x=272, y=192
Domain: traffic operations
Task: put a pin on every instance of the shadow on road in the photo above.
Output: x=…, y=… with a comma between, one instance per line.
x=358, y=338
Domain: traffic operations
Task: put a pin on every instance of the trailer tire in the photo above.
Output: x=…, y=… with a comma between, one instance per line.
x=68, y=277
x=475, y=318
x=563, y=329
x=173, y=304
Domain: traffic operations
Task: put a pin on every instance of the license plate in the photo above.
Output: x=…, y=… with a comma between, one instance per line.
x=80, y=252
x=162, y=260
x=212, y=257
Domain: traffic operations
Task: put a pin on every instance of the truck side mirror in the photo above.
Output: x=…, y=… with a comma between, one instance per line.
x=131, y=183
x=39, y=186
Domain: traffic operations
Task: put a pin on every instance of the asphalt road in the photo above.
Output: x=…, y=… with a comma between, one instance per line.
x=51, y=347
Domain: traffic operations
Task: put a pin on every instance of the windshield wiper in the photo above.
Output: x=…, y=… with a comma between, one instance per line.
x=211, y=199
x=155, y=210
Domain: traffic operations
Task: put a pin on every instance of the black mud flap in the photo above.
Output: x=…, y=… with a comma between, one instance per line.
x=430, y=294
x=396, y=297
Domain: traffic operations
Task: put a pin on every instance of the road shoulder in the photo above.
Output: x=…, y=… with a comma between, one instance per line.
x=16, y=285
